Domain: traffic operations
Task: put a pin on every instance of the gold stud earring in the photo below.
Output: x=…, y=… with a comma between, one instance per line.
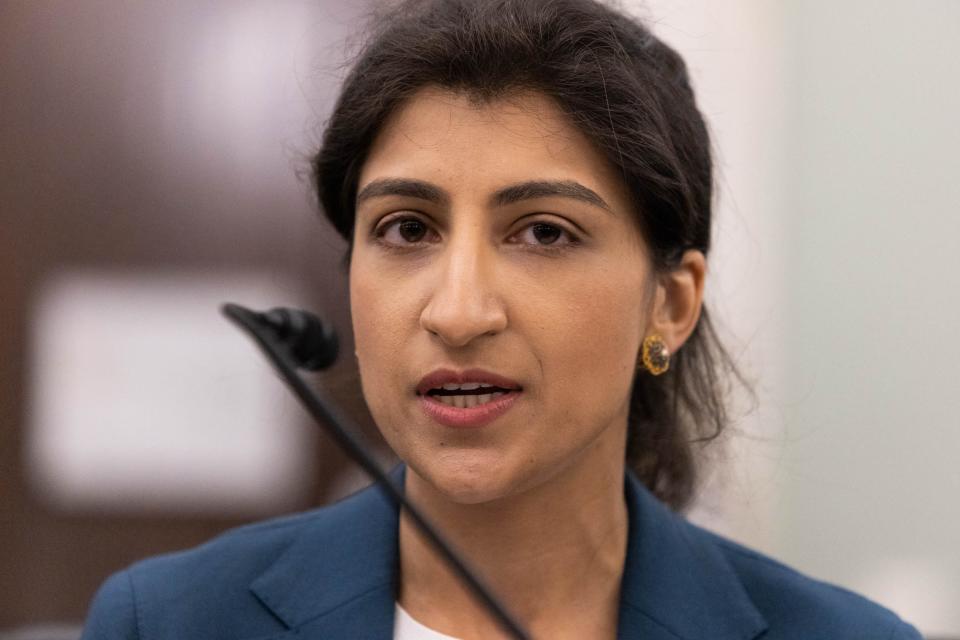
x=655, y=356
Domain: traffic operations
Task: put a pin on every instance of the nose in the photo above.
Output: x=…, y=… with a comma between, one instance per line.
x=464, y=303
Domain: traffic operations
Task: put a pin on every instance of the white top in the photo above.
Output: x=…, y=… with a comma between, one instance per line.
x=406, y=628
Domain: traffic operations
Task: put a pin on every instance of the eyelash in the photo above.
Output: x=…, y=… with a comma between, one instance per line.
x=381, y=231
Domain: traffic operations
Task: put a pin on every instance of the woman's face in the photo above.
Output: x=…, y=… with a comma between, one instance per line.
x=496, y=237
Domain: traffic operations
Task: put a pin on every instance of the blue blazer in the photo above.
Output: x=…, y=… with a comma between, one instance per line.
x=331, y=573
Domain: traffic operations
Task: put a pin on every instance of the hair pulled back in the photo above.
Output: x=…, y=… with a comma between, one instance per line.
x=630, y=94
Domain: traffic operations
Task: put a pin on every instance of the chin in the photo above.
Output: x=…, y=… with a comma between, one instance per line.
x=469, y=477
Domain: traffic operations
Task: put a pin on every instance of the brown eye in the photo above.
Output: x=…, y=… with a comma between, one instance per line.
x=401, y=232
x=412, y=230
x=546, y=233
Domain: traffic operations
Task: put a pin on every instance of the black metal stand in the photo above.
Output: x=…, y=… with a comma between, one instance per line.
x=327, y=416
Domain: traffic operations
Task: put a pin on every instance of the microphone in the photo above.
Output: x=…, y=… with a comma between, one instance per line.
x=294, y=339
x=312, y=344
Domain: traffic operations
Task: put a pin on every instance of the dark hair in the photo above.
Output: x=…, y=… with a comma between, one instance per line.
x=630, y=94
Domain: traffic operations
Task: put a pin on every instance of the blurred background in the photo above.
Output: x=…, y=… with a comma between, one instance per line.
x=152, y=166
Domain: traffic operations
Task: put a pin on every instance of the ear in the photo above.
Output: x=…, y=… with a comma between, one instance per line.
x=678, y=300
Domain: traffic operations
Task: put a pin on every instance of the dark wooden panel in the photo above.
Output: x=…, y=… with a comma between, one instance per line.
x=83, y=183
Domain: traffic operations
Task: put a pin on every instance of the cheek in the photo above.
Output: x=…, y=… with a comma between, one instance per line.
x=588, y=344
x=378, y=328
x=385, y=320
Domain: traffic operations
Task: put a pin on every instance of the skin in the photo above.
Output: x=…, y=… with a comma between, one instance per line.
x=534, y=499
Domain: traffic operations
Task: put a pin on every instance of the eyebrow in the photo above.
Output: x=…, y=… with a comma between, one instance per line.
x=547, y=188
x=502, y=197
x=403, y=187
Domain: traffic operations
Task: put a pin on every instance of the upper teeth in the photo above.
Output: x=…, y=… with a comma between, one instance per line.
x=469, y=386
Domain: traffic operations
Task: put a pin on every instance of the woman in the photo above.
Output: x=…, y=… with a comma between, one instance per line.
x=526, y=189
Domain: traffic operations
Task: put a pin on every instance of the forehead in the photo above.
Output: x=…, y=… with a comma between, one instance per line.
x=434, y=115
x=447, y=136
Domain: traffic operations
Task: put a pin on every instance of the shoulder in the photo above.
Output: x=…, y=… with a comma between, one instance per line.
x=798, y=606
x=204, y=592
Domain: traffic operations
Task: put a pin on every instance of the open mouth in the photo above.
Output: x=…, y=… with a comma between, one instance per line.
x=468, y=395
x=468, y=399
x=468, y=405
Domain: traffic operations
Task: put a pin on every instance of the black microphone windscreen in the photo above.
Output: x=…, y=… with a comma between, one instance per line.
x=312, y=343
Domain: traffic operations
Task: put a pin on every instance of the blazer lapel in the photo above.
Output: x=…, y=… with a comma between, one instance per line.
x=337, y=580
x=676, y=582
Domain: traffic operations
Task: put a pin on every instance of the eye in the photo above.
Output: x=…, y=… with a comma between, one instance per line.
x=402, y=231
x=545, y=234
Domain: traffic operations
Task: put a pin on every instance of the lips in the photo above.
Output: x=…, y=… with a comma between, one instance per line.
x=436, y=379
x=501, y=394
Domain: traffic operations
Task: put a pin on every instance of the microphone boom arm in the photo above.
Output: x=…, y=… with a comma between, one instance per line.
x=325, y=412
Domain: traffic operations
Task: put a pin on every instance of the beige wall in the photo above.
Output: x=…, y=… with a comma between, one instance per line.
x=837, y=271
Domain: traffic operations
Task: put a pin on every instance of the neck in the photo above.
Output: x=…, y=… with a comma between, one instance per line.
x=554, y=554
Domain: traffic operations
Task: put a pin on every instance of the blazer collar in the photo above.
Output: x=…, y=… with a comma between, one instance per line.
x=337, y=579
x=676, y=582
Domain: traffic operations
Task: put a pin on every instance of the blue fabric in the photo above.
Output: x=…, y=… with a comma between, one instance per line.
x=331, y=574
